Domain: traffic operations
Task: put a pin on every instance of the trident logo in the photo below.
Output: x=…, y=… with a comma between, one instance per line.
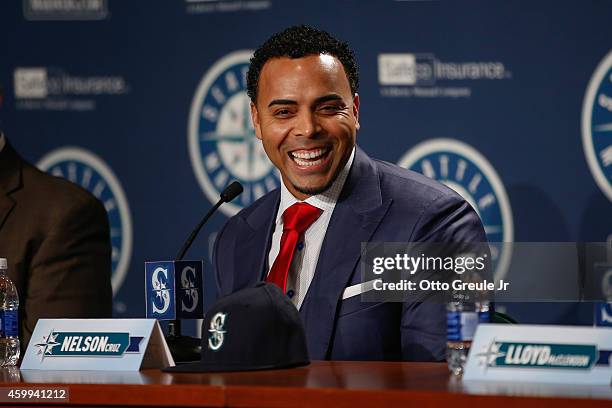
x=215, y=341
x=189, y=286
x=161, y=290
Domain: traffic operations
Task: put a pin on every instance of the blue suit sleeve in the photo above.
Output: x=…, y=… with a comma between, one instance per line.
x=449, y=218
x=217, y=256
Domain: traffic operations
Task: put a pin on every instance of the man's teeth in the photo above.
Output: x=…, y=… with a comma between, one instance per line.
x=305, y=163
x=308, y=158
x=313, y=154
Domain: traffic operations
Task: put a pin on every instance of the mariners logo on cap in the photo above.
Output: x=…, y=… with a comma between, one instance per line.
x=465, y=170
x=94, y=175
x=597, y=125
x=222, y=141
x=215, y=341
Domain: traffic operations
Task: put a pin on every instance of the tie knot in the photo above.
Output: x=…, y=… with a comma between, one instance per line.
x=300, y=216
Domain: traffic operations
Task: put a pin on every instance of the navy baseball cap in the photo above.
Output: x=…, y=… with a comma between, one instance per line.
x=256, y=328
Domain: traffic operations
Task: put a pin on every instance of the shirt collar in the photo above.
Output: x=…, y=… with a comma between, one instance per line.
x=324, y=201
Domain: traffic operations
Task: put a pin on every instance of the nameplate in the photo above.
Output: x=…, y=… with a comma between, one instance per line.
x=534, y=353
x=174, y=290
x=97, y=345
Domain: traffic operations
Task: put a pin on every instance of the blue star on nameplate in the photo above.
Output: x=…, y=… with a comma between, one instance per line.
x=490, y=355
x=46, y=346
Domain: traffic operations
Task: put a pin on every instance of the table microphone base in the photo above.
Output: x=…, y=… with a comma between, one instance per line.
x=184, y=349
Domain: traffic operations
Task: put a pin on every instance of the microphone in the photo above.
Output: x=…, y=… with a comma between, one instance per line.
x=173, y=288
x=232, y=191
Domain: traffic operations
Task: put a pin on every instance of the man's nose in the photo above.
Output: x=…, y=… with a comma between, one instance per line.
x=307, y=124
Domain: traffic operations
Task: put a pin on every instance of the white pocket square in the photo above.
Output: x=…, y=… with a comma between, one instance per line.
x=358, y=289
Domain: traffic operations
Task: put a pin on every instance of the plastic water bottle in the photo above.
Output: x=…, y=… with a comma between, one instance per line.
x=9, y=327
x=10, y=375
x=464, y=312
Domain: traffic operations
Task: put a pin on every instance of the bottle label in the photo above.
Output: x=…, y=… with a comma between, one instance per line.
x=8, y=323
x=460, y=326
x=484, y=317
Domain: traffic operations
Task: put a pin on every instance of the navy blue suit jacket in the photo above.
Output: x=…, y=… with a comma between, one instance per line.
x=380, y=202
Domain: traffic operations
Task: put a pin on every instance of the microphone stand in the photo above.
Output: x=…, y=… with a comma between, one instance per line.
x=186, y=348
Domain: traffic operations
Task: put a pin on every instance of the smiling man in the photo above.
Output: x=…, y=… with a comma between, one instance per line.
x=306, y=236
x=306, y=114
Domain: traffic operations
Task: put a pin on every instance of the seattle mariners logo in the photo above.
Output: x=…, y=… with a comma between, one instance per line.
x=188, y=284
x=222, y=141
x=215, y=341
x=93, y=174
x=159, y=280
x=470, y=174
x=597, y=125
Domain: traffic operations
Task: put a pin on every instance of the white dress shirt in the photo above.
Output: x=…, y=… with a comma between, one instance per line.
x=306, y=256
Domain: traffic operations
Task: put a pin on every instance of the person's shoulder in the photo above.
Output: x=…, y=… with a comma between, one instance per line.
x=404, y=184
x=249, y=217
x=266, y=203
x=58, y=192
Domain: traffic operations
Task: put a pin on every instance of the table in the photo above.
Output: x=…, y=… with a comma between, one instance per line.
x=321, y=384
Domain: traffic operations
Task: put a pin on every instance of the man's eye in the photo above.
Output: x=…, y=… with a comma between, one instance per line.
x=330, y=108
x=282, y=112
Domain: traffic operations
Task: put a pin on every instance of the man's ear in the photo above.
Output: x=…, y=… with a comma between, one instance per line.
x=255, y=119
x=356, y=110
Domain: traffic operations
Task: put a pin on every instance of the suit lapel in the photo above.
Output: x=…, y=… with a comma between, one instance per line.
x=6, y=206
x=357, y=214
x=10, y=180
x=254, y=244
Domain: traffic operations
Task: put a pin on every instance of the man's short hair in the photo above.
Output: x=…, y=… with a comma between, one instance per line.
x=298, y=42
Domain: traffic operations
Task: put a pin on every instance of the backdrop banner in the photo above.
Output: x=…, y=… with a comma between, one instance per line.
x=144, y=104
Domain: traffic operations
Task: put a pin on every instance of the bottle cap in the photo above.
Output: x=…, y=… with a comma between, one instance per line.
x=3, y=263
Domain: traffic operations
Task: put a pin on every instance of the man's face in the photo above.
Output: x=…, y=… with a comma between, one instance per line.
x=307, y=119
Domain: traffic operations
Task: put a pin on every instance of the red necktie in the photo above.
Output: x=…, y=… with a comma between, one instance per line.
x=296, y=220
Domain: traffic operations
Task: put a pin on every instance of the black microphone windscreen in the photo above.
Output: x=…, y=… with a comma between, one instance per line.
x=232, y=191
